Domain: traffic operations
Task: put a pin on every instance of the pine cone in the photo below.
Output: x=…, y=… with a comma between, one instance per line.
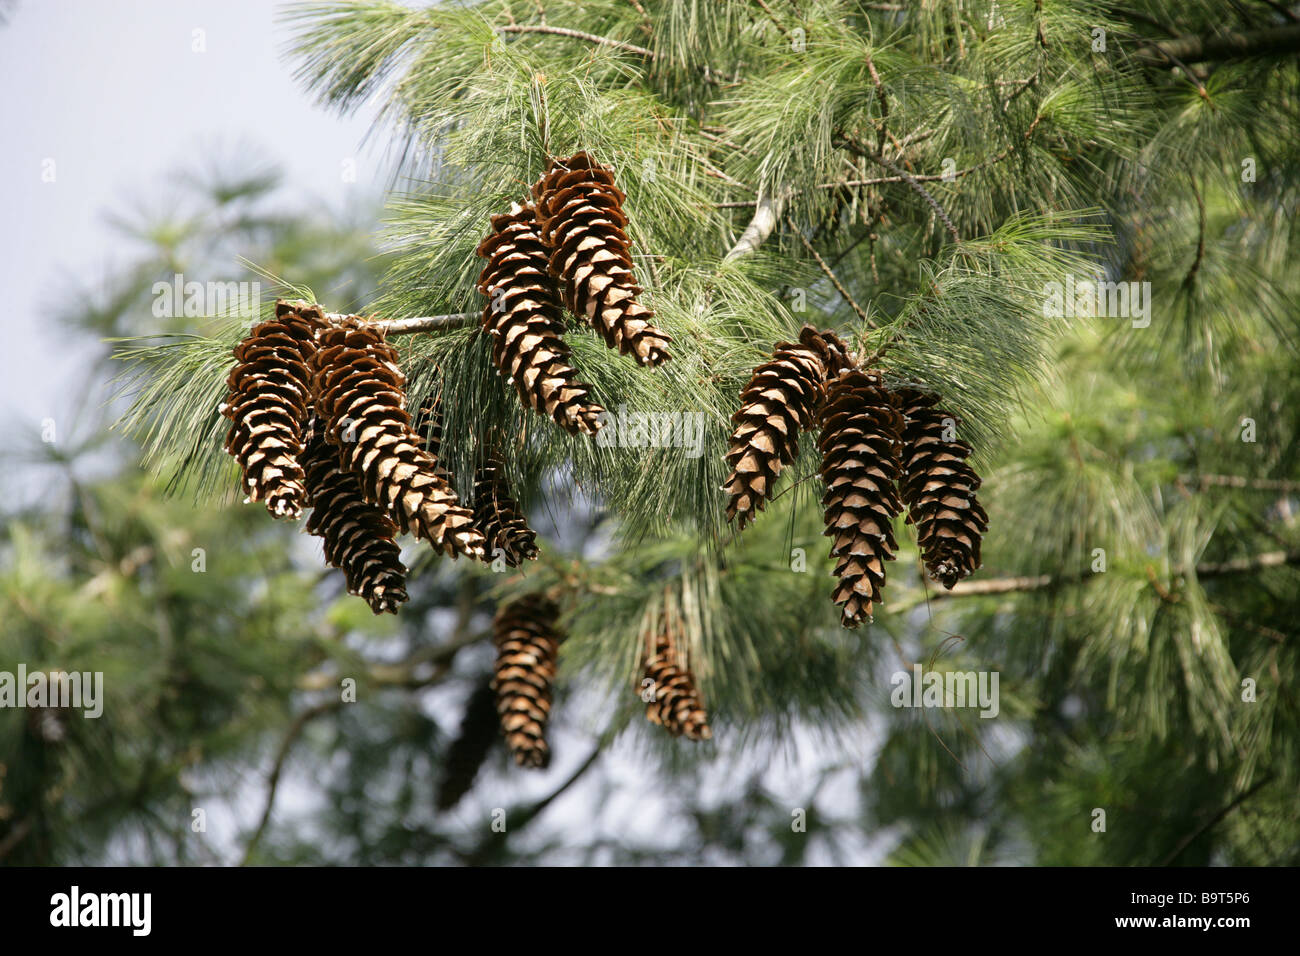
x=498, y=516
x=860, y=447
x=939, y=488
x=779, y=401
x=360, y=396
x=466, y=754
x=358, y=535
x=582, y=224
x=676, y=705
x=269, y=396
x=527, y=646
x=526, y=323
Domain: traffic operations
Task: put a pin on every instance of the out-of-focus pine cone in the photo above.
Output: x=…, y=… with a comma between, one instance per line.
x=676, y=705
x=269, y=394
x=779, y=402
x=467, y=753
x=939, y=488
x=360, y=395
x=528, y=644
x=358, y=536
x=583, y=225
x=859, y=442
x=525, y=320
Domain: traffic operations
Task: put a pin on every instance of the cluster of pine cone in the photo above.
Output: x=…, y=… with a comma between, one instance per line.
x=516, y=701
x=881, y=449
x=318, y=420
x=566, y=248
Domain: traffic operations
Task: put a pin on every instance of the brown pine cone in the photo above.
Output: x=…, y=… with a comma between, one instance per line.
x=524, y=318
x=360, y=395
x=528, y=644
x=358, y=536
x=676, y=705
x=939, y=488
x=267, y=404
x=498, y=516
x=583, y=225
x=860, y=447
x=779, y=401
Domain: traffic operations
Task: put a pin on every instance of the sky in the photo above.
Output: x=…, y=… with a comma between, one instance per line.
x=105, y=101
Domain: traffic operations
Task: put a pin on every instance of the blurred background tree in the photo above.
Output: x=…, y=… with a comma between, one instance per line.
x=926, y=172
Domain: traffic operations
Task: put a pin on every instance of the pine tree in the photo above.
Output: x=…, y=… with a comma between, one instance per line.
x=934, y=185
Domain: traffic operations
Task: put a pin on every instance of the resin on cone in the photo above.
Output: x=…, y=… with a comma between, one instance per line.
x=269, y=395
x=583, y=226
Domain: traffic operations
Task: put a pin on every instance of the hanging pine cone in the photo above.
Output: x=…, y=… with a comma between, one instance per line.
x=939, y=488
x=524, y=318
x=498, y=516
x=583, y=225
x=527, y=647
x=269, y=395
x=779, y=401
x=676, y=705
x=360, y=396
x=358, y=535
x=860, y=435
x=466, y=754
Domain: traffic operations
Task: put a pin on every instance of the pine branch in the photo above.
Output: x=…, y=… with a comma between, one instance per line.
x=1238, y=481
x=417, y=323
x=1222, y=46
x=1042, y=582
x=580, y=35
x=760, y=227
x=1209, y=824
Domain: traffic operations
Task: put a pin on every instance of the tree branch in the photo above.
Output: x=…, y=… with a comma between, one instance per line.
x=766, y=216
x=418, y=323
x=1222, y=46
x=1042, y=582
x=579, y=35
x=1209, y=824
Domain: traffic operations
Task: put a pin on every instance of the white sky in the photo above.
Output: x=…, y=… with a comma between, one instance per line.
x=115, y=95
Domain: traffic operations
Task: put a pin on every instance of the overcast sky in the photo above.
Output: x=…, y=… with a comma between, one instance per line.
x=103, y=101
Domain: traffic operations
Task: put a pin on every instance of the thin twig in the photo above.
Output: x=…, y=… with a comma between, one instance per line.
x=1238, y=481
x=273, y=781
x=579, y=35
x=830, y=274
x=1209, y=824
